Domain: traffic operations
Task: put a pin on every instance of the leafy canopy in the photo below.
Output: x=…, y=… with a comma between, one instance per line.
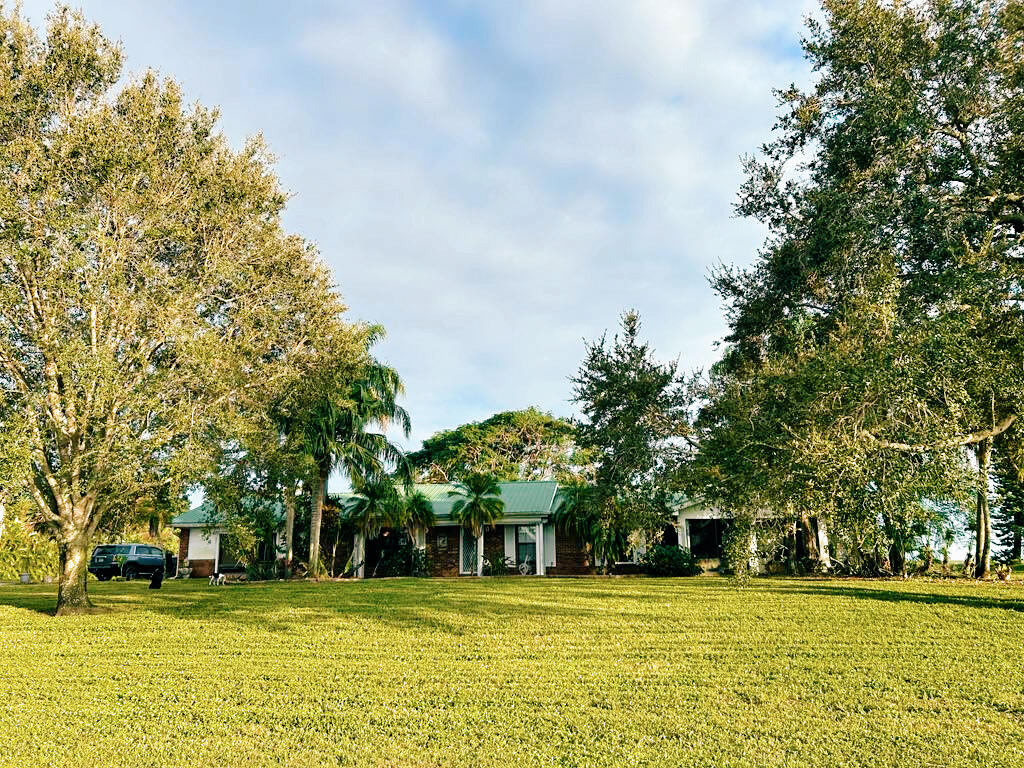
x=513, y=445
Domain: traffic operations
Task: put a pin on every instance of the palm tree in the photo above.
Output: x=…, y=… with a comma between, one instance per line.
x=373, y=506
x=338, y=435
x=417, y=513
x=579, y=512
x=478, y=505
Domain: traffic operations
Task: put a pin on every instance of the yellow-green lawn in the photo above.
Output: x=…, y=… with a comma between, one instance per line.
x=516, y=672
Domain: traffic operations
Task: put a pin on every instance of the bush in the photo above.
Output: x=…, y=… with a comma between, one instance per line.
x=404, y=560
x=498, y=566
x=662, y=560
x=25, y=550
x=264, y=570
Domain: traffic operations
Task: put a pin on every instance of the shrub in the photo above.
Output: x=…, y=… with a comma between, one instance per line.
x=264, y=570
x=498, y=566
x=26, y=550
x=404, y=560
x=662, y=560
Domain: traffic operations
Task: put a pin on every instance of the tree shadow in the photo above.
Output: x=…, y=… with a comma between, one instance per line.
x=443, y=606
x=893, y=593
x=36, y=598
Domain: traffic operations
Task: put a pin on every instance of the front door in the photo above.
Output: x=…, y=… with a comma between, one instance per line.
x=468, y=558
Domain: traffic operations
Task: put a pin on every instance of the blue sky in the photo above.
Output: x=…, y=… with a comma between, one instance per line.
x=495, y=182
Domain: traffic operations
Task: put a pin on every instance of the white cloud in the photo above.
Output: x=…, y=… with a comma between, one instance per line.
x=384, y=55
x=494, y=182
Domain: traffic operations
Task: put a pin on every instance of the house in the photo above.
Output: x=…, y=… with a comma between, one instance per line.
x=525, y=537
x=525, y=534
x=204, y=541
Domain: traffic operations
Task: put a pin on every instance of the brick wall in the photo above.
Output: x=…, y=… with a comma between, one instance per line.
x=571, y=557
x=182, y=545
x=494, y=543
x=201, y=569
x=444, y=561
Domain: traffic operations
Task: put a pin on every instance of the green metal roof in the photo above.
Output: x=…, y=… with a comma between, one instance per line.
x=527, y=499
x=206, y=515
x=523, y=500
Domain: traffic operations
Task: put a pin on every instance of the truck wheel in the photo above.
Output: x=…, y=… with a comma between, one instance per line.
x=130, y=572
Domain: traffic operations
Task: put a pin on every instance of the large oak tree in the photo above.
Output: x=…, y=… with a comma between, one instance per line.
x=149, y=297
x=888, y=293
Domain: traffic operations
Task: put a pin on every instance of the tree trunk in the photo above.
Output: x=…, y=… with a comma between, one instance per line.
x=897, y=559
x=810, y=537
x=316, y=515
x=74, y=568
x=289, y=530
x=983, y=541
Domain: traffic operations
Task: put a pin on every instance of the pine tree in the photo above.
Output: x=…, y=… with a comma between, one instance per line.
x=1008, y=511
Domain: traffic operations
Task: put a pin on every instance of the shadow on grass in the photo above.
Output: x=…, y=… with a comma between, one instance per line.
x=895, y=593
x=434, y=605
x=458, y=607
x=29, y=597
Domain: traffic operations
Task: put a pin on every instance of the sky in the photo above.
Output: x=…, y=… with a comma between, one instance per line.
x=495, y=182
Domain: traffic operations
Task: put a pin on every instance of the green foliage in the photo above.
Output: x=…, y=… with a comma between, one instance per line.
x=263, y=571
x=374, y=505
x=347, y=429
x=665, y=560
x=636, y=428
x=25, y=550
x=477, y=502
x=151, y=303
x=632, y=672
x=513, y=445
x=498, y=565
x=404, y=560
x=738, y=547
x=1008, y=510
x=635, y=411
x=877, y=337
x=417, y=511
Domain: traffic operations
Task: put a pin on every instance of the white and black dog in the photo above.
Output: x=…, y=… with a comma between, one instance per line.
x=216, y=579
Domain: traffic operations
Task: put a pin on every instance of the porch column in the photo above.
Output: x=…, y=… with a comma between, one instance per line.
x=359, y=555
x=826, y=558
x=480, y=553
x=684, y=534
x=540, y=549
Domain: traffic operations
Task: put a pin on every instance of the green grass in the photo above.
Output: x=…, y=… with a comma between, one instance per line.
x=516, y=672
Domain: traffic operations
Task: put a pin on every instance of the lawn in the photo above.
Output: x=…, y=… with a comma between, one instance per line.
x=516, y=672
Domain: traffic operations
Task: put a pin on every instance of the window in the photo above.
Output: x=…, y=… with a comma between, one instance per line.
x=526, y=548
x=706, y=538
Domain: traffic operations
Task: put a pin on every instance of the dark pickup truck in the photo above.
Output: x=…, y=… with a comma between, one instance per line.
x=127, y=560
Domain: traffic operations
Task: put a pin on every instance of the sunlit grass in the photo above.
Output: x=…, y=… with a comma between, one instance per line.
x=621, y=672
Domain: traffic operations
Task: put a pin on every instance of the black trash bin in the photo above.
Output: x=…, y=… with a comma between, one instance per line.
x=170, y=565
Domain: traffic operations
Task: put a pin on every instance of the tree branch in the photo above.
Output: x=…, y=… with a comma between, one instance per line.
x=953, y=442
